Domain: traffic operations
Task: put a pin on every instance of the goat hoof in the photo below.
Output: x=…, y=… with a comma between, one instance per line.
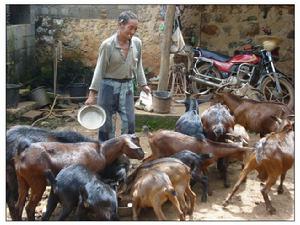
x=182, y=217
x=225, y=203
x=45, y=217
x=271, y=210
x=204, y=198
x=190, y=212
x=280, y=190
x=226, y=185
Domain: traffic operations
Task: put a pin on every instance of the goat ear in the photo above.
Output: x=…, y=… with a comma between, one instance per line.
x=83, y=196
x=133, y=136
x=130, y=143
x=83, y=193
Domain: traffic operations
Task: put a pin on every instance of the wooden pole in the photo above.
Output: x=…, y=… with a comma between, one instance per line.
x=165, y=50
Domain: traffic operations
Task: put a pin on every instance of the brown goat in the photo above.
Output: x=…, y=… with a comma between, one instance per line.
x=165, y=143
x=254, y=115
x=152, y=189
x=179, y=175
x=217, y=122
x=273, y=157
x=32, y=163
x=239, y=132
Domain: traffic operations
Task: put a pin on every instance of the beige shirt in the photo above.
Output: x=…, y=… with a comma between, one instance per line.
x=112, y=64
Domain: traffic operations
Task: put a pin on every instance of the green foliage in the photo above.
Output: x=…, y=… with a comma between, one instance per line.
x=155, y=122
x=68, y=71
x=73, y=71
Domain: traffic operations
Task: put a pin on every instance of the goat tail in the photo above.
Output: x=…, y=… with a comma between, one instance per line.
x=23, y=144
x=50, y=178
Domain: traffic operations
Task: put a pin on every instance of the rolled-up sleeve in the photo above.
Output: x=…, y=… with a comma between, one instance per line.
x=100, y=66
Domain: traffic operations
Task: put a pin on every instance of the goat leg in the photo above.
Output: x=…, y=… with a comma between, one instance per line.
x=222, y=165
x=204, y=183
x=192, y=197
x=23, y=190
x=205, y=174
x=66, y=210
x=182, y=202
x=11, y=190
x=251, y=165
x=135, y=209
x=175, y=202
x=198, y=176
x=280, y=187
x=266, y=189
x=156, y=204
x=37, y=191
x=13, y=210
x=51, y=205
x=81, y=213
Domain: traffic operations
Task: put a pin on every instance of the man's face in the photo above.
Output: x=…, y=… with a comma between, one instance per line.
x=128, y=30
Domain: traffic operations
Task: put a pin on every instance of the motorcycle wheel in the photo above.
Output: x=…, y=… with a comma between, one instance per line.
x=206, y=69
x=268, y=88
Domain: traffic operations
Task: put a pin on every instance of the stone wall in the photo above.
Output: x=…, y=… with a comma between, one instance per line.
x=20, y=49
x=20, y=43
x=82, y=28
x=222, y=28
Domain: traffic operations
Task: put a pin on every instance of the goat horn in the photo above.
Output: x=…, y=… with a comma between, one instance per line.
x=277, y=119
x=229, y=141
x=244, y=141
x=293, y=116
x=231, y=135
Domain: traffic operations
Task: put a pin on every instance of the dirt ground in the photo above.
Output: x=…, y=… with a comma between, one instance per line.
x=246, y=205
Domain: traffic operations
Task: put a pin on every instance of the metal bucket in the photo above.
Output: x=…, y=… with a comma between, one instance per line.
x=12, y=95
x=40, y=96
x=161, y=101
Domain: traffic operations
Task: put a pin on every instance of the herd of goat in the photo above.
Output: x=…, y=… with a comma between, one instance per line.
x=92, y=178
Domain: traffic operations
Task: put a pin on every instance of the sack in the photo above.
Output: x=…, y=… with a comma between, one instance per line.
x=144, y=102
x=177, y=41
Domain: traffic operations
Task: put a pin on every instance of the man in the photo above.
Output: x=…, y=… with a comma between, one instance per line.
x=119, y=61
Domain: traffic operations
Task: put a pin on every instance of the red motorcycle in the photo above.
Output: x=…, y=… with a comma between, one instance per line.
x=252, y=65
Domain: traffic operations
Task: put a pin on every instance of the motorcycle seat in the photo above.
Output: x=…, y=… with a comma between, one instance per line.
x=214, y=55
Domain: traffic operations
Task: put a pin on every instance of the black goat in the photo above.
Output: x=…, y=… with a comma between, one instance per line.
x=195, y=161
x=189, y=123
x=27, y=134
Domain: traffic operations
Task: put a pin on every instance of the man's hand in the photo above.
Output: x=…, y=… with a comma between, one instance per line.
x=91, y=100
x=146, y=89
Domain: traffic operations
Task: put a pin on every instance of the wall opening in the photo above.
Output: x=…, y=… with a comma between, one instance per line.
x=17, y=14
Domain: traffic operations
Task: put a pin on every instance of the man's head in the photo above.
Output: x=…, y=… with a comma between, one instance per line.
x=128, y=23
